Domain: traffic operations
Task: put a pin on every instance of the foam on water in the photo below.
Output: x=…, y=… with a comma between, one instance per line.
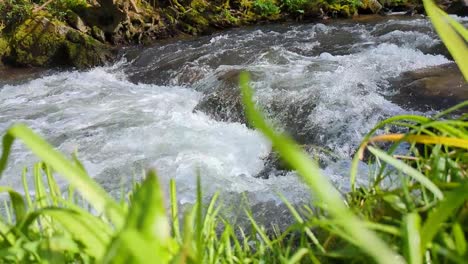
x=132, y=116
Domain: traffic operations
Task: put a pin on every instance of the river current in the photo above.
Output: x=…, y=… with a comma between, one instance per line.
x=326, y=83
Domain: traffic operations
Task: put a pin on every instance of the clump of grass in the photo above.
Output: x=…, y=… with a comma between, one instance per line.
x=424, y=218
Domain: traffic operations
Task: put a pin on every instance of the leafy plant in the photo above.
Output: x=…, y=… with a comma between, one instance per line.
x=14, y=12
x=266, y=8
x=294, y=6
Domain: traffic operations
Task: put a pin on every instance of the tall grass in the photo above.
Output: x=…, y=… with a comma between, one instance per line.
x=421, y=217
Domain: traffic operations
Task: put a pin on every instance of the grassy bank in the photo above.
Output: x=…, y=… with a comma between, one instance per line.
x=421, y=217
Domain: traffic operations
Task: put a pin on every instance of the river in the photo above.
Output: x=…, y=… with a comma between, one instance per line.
x=327, y=84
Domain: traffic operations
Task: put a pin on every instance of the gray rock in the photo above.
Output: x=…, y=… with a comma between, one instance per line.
x=275, y=166
x=224, y=103
x=98, y=34
x=437, y=88
x=76, y=22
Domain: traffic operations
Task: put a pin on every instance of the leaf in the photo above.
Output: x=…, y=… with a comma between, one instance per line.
x=423, y=139
x=147, y=222
x=452, y=201
x=130, y=243
x=460, y=240
x=406, y=169
x=17, y=202
x=81, y=227
x=147, y=213
x=412, y=238
x=88, y=188
x=452, y=40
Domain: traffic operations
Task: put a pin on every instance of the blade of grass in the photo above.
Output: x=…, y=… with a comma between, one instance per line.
x=452, y=40
x=452, y=201
x=147, y=213
x=412, y=238
x=453, y=142
x=406, y=169
x=82, y=228
x=174, y=211
x=17, y=202
x=88, y=188
x=367, y=240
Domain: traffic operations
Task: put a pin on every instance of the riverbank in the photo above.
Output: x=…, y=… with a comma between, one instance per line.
x=84, y=33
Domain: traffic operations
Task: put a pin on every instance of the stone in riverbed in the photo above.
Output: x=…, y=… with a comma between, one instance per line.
x=437, y=87
x=224, y=103
x=275, y=166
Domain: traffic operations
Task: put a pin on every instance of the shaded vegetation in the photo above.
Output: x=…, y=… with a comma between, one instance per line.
x=142, y=21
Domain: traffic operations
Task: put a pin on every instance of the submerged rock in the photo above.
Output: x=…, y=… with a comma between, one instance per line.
x=224, y=103
x=437, y=87
x=275, y=166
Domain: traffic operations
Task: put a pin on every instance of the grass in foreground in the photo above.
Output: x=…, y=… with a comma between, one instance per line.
x=423, y=217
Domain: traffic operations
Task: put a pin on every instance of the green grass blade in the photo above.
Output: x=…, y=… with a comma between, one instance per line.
x=321, y=186
x=17, y=202
x=27, y=195
x=147, y=213
x=88, y=188
x=300, y=220
x=199, y=220
x=452, y=201
x=296, y=258
x=41, y=194
x=131, y=247
x=459, y=238
x=452, y=40
x=406, y=169
x=175, y=211
x=412, y=238
x=81, y=227
x=257, y=228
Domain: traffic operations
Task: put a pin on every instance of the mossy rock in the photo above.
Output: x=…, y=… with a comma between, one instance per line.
x=84, y=51
x=41, y=41
x=4, y=47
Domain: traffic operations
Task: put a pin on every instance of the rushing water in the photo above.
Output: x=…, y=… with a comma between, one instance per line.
x=327, y=84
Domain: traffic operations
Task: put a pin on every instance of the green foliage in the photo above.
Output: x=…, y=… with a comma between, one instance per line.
x=294, y=6
x=266, y=8
x=14, y=12
x=453, y=34
x=60, y=8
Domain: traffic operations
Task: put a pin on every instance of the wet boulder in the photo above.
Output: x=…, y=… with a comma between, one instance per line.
x=224, y=102
x=274, y=165
x=458, y=7
x=437, y=88
x=290, y=115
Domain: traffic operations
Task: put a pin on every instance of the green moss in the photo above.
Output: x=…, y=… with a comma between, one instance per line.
x=4, y=48
x=84, y=51
x=36, y=41
x=40, y=41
